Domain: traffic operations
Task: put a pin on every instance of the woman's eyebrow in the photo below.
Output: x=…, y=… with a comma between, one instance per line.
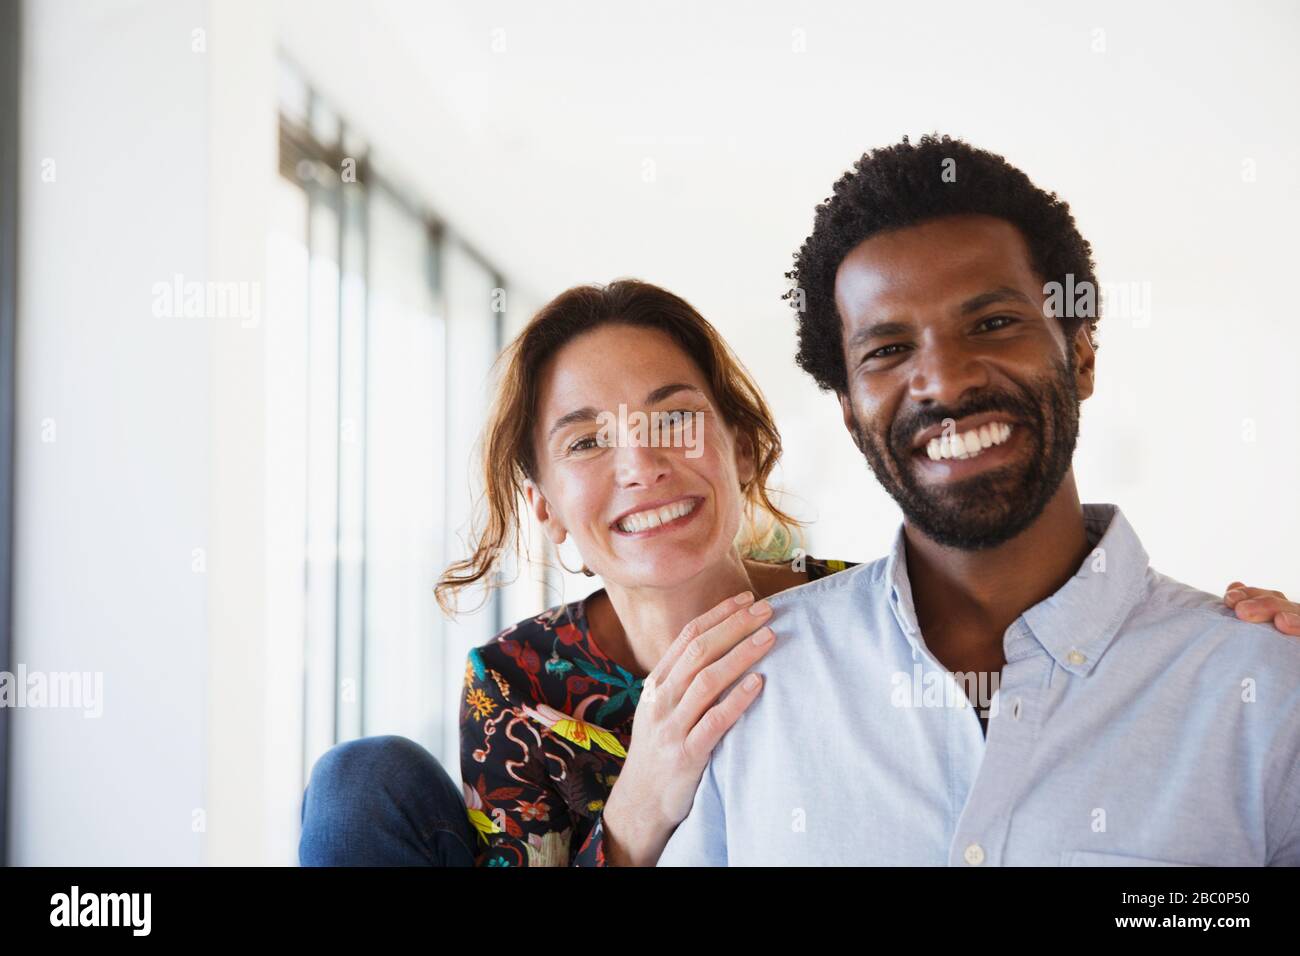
x=585, y=414
x=589, y=414
x=663, y=391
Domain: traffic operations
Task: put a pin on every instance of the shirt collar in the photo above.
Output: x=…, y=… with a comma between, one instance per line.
x=1079, y=621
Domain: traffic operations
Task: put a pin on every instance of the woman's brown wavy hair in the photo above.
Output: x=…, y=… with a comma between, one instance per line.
x=507, y=444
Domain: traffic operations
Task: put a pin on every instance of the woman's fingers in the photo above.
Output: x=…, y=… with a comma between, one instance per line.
x=710, y=618
x=719, y=718
x=1269, y=606
x=711, y=681
x=1237, y=592
x=1262, y=606
x=1288, y=622
x=699, y=652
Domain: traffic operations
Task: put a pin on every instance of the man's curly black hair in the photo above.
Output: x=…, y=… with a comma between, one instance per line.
x=902, y=185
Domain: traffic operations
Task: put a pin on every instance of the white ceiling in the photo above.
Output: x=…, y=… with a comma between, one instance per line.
x=531, y=124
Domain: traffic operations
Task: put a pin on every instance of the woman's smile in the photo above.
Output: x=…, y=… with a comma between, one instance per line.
x=658, y=518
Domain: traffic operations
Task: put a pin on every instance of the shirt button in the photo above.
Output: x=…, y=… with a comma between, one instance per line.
x=974, y=854
x=1075, y=658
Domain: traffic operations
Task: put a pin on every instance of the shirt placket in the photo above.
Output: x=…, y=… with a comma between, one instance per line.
x=981, y=833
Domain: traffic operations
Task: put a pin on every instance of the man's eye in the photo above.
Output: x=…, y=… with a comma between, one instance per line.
x=1005, y=319
x=883, y=352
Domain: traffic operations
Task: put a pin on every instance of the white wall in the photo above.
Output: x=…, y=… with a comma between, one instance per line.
x=103, y=546
x=138, y=548
x=252, y=794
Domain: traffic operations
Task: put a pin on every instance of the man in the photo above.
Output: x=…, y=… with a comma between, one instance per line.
x=1013, y=684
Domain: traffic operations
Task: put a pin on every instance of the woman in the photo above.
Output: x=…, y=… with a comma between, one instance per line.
x=556, y=770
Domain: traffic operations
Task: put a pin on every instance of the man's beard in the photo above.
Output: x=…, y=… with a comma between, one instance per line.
x=987, y=509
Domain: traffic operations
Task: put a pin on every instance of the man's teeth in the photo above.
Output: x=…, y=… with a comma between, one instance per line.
x=654, y=517
x=968, y=444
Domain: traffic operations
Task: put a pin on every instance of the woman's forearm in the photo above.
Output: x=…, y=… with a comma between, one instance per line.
x=632, y=838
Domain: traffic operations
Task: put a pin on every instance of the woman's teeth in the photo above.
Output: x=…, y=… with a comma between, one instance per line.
x=969, y=444
x=654, y=517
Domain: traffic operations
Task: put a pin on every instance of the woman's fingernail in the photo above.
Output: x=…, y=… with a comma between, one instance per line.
x=762, y=607
x=751, y=682
x=743, y=599
x=1236, y=594
x=762, y=636
x=1290, y=619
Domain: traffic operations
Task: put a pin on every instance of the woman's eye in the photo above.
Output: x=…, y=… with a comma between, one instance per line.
x=1005, y=319
x=584, y=444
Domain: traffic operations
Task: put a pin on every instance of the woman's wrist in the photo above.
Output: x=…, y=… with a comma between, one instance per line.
x=628, y=839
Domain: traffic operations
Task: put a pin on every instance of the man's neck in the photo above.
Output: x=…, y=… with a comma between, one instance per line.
x=965, y=600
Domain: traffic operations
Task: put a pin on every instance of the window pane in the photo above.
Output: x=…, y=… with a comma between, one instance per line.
x=351, y=467
x=322, y=469
x=471, y=343
x=404, y=489
x=285, y=328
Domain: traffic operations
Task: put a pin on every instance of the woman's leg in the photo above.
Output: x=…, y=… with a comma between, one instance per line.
x=383, y=801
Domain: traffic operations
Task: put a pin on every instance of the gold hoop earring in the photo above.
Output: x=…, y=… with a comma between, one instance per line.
x=583, y=570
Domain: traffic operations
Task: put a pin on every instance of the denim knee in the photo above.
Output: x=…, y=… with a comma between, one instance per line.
x=383, y=800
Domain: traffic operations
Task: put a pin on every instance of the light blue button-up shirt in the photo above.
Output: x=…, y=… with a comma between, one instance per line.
x=1137, y=722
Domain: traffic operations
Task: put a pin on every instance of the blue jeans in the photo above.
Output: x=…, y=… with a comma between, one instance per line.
x=383, y=801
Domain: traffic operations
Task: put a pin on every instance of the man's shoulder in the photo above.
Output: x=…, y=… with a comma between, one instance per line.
x=1204, y=621
x=852, y=583
x=817, y=618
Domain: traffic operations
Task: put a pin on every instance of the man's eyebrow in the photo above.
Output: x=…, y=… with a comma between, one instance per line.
x=1003, y=293
x=880, y=330
x=877, y=330
x=589, y=414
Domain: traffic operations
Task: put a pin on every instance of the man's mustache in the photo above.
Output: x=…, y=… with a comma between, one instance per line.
x=908, y=423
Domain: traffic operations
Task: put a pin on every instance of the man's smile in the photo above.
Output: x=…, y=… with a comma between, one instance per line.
x=973, y=445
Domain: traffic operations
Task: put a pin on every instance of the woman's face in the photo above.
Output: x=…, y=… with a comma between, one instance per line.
x=640, y=515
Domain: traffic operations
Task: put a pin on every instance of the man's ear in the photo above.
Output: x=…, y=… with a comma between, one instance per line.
x=541, y=510
x=1085, y=360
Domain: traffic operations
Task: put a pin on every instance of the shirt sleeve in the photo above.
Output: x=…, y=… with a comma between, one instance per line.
x=592, y=850
x=518, y=816
x=700, y=839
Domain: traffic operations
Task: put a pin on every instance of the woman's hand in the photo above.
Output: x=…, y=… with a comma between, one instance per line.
x=677, y=723
x=1260, y=606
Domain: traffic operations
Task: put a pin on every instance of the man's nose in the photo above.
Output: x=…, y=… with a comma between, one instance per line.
x=944, y=372
x=641, y=465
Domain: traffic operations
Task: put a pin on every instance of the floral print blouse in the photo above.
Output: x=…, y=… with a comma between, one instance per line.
x=545, y=723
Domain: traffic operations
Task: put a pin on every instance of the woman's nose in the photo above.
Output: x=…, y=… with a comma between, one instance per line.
x=641, y=465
